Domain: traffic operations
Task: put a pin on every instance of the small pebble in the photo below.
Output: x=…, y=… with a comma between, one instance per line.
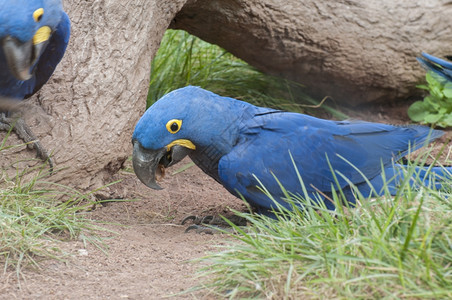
x=82, y=252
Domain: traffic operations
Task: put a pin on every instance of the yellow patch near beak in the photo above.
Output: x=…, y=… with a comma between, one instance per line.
x=185, y=143
x=42, y=35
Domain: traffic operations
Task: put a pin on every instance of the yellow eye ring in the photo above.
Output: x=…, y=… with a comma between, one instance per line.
x=174, y=125
x=37, y=15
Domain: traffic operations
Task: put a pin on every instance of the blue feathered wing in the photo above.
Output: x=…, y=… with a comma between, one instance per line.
x=268, y=140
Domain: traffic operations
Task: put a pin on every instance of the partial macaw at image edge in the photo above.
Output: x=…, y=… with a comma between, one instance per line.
x=245, y=147
x=439, y=66
x=33, y=39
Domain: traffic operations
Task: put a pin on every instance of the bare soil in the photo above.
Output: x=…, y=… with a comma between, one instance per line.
x=147, y=254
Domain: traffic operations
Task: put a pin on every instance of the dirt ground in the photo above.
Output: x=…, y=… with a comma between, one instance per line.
x=148, y=256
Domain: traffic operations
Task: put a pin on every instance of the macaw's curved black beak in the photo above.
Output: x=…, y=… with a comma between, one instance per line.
x=148, y=163
x=21, y=57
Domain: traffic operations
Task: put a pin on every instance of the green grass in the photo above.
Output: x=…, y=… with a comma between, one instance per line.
x=183, y=59
x=386, y=248
x=34, y=219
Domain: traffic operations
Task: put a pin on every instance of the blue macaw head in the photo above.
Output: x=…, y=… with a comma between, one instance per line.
x=25, y=29
x=182, y=122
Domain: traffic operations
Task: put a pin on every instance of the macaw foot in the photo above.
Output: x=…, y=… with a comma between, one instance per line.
x=212, y=224
x=25, y=133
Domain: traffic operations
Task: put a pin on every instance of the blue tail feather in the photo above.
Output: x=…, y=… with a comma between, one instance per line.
x=437, y=65
x=432, y=177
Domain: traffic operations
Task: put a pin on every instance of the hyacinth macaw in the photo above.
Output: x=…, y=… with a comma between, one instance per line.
x=243, y=146
x=437, y=65
x=33, y=38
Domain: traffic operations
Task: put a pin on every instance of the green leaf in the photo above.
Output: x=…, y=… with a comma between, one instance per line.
x=448, y=101
x=432, y=118
x=423, y=87
x=448, y=120
x=436, y=92
x=431, y=103
x=447, y=91
x=430, y=79
x=442, y=110
x=418, y=111
x=434, y=80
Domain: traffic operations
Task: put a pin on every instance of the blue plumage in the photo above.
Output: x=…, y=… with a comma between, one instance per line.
x=240, y=144
x=33, y=38
x=33, y=35
x=437, y=65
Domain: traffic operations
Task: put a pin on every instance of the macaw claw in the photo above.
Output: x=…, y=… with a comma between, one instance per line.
x=202, y=229
x=211, y=224
x=198, y=220
x=25, y=133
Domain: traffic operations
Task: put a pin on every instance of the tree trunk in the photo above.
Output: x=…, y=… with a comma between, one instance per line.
x=355, y=51
x=88, y=109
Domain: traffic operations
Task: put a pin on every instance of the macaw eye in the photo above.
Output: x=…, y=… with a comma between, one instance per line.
x=37, y=15
x=174, y=125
